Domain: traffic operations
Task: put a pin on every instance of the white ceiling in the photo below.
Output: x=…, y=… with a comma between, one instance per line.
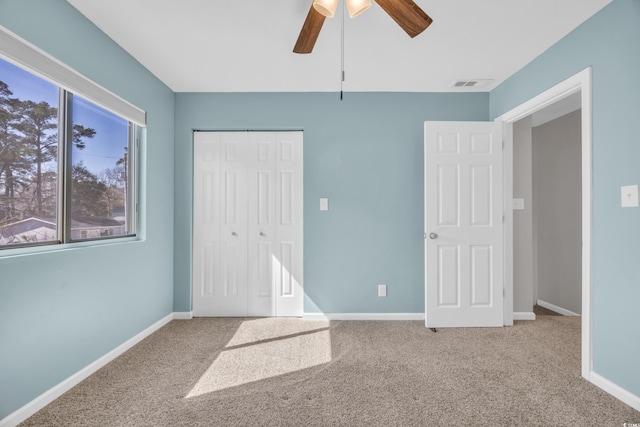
x=246, y=45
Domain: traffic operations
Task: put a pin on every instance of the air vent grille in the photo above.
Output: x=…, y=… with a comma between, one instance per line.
x=475, y=83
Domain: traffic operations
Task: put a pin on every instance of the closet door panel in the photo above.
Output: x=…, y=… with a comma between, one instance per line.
x=261, y=229
x=206, y=222
x=232, y=300
x=289, y=224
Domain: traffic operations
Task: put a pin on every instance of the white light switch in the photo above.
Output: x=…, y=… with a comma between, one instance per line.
x=382, y=290
x=629, y=196
x=324, y=204
x=518, y=204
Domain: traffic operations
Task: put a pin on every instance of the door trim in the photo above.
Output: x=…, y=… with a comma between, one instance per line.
x=580, y=82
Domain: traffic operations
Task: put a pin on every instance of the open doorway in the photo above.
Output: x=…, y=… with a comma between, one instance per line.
x=547, y=218
x=577, y=84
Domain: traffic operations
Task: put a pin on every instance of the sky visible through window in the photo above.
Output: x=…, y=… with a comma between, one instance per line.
x=100, y=152
x=26, y=86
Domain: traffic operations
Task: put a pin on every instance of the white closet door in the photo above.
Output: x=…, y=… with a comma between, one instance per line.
x=206, y=222
x=233, y=229
x=288, y=250
x=262, y=224
x=220, y=224
x=248, y=224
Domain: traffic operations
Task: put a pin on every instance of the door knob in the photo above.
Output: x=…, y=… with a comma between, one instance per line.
x=433, y=236
x=233, y=233
x=262, y=234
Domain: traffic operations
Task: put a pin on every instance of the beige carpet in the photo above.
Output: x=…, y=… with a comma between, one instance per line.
x=290, y=372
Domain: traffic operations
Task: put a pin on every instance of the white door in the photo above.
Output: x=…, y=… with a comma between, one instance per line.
x=220, y=224
x=262, y=224
x=247, y=232
x=289, y=214
x=463, y=224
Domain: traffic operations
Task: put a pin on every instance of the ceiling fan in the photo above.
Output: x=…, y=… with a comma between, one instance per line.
x=406, y=13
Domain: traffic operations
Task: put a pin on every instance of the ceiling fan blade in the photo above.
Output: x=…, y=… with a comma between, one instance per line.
x=309, y=32
x=407, y=14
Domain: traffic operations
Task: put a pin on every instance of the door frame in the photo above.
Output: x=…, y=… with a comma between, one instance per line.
x=580, y=82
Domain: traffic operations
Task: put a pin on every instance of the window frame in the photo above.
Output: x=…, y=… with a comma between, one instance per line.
x=32, y=60
x=65, y=171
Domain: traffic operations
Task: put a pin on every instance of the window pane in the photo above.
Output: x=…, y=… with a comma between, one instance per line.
x=28, y=157
x=100, y=172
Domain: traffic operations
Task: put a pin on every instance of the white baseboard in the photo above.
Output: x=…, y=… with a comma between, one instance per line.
x=555, y=308
x=52, y=394
x=182, y=315
x=363, y=316
x=616, y=391
x=523, y=315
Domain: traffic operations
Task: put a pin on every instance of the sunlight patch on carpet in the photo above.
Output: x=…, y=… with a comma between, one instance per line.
x=251, y=331
x=266, y=348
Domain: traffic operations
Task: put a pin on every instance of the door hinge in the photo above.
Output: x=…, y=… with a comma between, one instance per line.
x=504, y=293
x=503, y=218
x=503, y=144
x=425, y=235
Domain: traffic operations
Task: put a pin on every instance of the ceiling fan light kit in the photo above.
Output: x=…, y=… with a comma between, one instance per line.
x=406, y=13
x=356, y=7
x=326, y=7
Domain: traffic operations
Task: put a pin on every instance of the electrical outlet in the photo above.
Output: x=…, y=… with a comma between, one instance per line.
x=382, y=290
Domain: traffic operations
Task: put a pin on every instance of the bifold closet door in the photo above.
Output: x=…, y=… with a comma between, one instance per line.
x=288, y=259
x=248, y=224
x=220, y=224
x=275, y=224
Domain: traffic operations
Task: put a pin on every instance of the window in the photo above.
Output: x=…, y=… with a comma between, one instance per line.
x=67, y=165
x=101, y=171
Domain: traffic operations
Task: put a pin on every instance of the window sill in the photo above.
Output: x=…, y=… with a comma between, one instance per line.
x=64, y=247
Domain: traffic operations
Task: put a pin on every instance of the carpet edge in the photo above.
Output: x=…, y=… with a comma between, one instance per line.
x=61, y=388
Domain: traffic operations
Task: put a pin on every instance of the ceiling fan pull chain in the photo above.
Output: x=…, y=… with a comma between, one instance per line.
x=342, y=54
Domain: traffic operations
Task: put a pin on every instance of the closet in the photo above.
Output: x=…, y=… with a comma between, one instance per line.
x=247, y=224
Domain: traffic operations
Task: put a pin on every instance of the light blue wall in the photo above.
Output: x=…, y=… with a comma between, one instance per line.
x=365, y=154
x=62, y=310
x=609, y=42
